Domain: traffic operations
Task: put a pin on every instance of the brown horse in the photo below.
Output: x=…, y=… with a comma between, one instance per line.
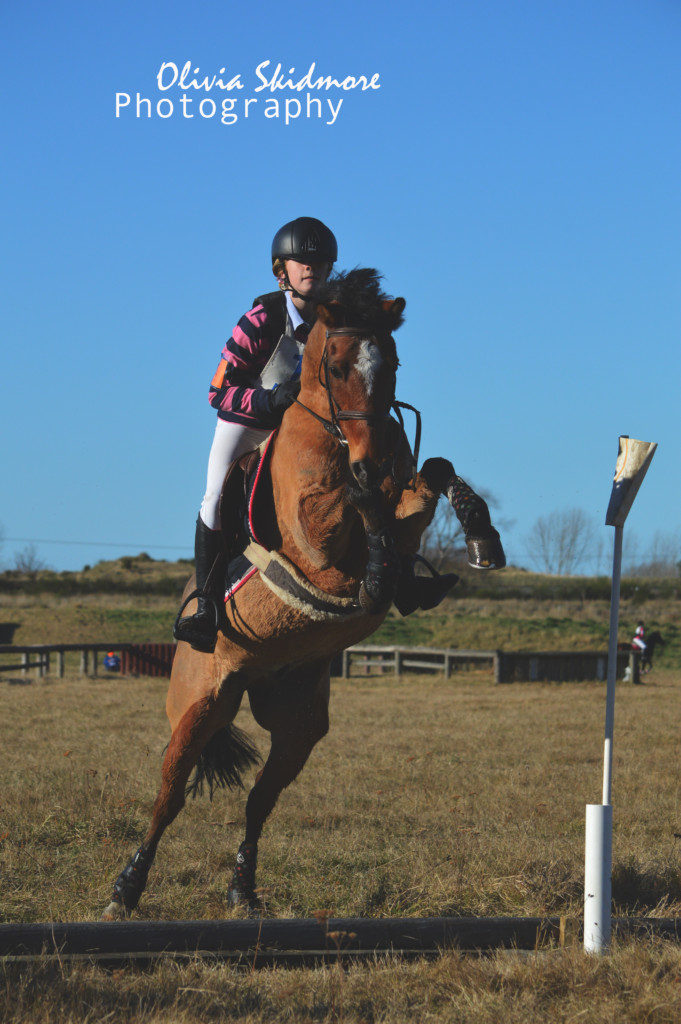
x=348, y=508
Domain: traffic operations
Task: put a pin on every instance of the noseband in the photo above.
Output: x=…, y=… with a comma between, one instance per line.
x=336, y=414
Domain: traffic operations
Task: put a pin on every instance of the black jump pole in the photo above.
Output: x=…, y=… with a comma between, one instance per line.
x=304, y=935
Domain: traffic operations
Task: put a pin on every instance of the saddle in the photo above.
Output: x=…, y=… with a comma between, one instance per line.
x=247, y=513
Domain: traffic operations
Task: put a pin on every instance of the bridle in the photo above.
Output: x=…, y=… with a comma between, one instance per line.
x=336, y=414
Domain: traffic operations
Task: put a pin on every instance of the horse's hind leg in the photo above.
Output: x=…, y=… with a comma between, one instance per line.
x=295, y=711
x=201, y=720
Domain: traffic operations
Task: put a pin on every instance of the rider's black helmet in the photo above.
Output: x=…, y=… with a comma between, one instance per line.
x=305, y=238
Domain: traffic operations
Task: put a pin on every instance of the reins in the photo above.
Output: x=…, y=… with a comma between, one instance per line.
x=336, y=414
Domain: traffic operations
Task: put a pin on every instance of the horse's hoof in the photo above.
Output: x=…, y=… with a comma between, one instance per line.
x=485, y=552
x=241, y=899
x=115, y=912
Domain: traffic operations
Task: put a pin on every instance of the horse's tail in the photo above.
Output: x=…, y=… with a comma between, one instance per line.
x=226, y=755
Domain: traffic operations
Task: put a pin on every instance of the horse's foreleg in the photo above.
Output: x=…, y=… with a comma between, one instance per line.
x=417, y=504
x=297, y=717
x=190, y=736
x=413, y=514
x=417, y=507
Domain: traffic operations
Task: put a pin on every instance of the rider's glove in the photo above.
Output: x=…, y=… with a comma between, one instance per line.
x=278, y=401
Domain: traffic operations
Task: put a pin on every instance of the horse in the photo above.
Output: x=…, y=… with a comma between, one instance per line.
x=653, y=641
x=348, y=508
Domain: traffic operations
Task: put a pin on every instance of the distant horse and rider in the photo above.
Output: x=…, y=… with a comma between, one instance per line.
x=333, y=510
x=646, y=645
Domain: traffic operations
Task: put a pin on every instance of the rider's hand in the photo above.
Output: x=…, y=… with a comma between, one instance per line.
x=279, y=399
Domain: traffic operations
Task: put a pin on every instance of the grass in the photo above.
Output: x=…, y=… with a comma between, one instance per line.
x=427, y=797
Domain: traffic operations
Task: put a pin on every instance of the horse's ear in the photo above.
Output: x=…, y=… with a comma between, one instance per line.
x=330, y=315
x=394, y=309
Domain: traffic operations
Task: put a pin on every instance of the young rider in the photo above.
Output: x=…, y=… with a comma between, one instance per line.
x=258, y=377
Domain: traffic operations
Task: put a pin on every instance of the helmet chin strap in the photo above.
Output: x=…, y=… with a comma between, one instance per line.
x=288, y=287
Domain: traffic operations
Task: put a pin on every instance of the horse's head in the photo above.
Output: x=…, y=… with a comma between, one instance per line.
x=348, y=373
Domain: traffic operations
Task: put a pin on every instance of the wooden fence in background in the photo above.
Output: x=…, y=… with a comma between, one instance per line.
x=397, y=660
x=49, y=659
x=506, y=666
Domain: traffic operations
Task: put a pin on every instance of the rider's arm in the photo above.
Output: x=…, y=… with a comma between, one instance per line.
x=233, y=391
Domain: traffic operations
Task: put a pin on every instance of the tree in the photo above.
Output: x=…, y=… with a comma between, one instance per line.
x=28, y=561
x=662, y=557
x=443, y=542
x=562, y=541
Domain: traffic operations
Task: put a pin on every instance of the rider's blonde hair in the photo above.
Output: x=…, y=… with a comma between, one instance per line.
x=279, y=268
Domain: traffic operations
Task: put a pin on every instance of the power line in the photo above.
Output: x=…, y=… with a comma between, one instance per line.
x=98, y=543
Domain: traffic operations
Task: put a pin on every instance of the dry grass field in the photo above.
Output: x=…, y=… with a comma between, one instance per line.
x=426, y=798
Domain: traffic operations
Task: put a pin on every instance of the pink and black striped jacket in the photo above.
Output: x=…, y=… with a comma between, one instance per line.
x=236, y=390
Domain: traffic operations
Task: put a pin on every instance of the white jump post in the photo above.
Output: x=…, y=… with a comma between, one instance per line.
x=632, y=465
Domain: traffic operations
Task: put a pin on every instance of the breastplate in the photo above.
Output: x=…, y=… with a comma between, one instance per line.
x=284, y=362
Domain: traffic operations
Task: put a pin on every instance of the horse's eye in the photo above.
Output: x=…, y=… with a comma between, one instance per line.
x=335, y=372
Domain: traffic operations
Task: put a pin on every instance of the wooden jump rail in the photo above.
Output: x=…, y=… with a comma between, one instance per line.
x=562, y=666
x=262, y=941
x=136, y=659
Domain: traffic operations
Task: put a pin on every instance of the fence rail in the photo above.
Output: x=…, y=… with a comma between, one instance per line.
x=136, y=659
x=507, y=666
x=397, y=660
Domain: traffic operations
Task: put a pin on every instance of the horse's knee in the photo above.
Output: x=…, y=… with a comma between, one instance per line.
x=436, y=473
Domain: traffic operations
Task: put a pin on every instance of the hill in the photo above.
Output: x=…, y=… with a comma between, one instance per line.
x=136, y=599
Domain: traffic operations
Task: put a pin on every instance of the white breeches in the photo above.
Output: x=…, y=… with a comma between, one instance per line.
x=637, y=642
x=231, y=440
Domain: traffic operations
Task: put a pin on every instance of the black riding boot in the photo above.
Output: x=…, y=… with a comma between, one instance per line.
x=201, y=629
x=423, y=592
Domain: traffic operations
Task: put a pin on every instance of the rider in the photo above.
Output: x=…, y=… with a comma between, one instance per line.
x=639, y=638
x=257, y=378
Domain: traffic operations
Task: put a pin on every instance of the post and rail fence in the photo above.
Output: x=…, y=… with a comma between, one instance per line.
x=136, y=659
x=506, y=666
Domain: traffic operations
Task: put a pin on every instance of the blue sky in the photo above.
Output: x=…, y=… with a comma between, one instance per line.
x=515, y=178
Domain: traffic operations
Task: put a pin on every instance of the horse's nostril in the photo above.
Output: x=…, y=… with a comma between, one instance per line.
x=357, y=470
x=363, y=472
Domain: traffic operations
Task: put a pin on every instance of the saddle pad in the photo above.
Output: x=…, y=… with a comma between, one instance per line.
x=239, y=571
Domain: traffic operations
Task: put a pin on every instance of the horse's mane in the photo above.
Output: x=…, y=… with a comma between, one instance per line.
x=359, y=294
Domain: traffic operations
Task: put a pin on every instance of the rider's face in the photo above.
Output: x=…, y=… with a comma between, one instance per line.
x=307, y=278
